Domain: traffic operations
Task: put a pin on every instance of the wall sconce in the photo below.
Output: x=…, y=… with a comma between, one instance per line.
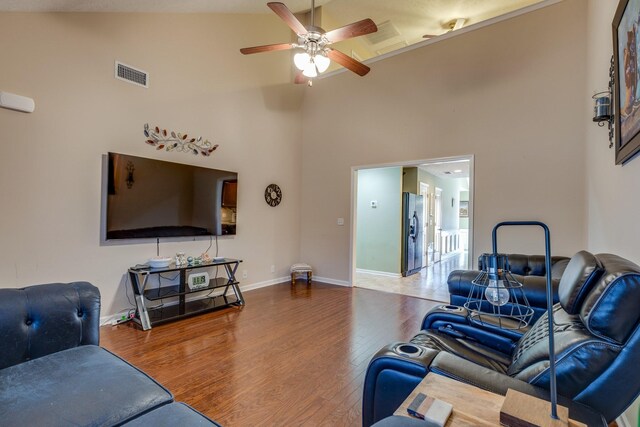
x=129, y=180
x=603, y=106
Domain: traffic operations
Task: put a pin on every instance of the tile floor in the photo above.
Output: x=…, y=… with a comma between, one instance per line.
x=430, y=283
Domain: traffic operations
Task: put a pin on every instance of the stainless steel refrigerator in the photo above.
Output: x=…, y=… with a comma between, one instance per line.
x=412, y=217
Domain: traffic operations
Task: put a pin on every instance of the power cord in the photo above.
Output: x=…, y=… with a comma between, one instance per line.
x=126, y=290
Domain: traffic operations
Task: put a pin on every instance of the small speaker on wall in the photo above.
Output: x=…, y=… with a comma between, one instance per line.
x=12, y=101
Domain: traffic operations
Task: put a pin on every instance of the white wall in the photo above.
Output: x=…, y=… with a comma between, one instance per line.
x=511, y=94
x=612, y=191
x=50, y=167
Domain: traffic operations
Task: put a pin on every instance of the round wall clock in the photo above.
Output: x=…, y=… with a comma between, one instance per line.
x=273, y=195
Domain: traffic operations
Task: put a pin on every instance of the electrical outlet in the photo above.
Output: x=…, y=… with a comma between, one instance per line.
x=273, y=268
x=244, y=274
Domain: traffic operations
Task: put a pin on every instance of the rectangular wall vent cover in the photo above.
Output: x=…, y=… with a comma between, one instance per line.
x=132, y=75
x=386, y=31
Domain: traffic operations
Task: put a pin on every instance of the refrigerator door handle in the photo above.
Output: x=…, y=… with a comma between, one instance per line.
x=413, y=226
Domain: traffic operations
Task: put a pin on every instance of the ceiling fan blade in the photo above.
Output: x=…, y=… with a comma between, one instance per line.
x=360, y=28
x=431, y=36
x=266, y=48
x=285, y=14
x=348, y=62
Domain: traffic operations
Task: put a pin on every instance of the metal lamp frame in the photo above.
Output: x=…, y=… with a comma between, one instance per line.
x=552, y=354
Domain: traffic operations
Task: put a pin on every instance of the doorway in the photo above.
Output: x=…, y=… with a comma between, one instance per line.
x=437, y=227
x=424, y=192
x=377, y=255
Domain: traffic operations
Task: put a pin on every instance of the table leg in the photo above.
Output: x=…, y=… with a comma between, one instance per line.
x=231, y=274
x=138, y=289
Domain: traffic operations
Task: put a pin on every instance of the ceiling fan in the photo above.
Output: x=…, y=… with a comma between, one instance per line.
x=453, y=25
x=315, y=54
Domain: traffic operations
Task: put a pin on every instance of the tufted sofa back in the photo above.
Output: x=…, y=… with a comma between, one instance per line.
x=43, y=319
x=533, y=265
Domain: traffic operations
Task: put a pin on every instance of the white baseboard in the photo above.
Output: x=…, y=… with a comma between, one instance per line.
x=331, y=281
x=111, y=318
x=264, y=284
x=287, y=279
x=379, y=273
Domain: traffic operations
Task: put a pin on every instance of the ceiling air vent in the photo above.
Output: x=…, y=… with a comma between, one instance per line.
x=386, y=31
x=132, y=75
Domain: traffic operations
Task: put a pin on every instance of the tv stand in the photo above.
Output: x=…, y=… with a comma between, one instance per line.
x=151, y=316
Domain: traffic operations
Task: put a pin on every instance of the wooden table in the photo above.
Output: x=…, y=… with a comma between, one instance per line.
x=472, y=406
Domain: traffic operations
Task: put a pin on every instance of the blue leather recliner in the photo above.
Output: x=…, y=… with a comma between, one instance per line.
x=597, y=346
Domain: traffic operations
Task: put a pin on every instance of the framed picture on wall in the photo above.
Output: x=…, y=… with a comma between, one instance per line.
x=626, y=45
x=464, y=209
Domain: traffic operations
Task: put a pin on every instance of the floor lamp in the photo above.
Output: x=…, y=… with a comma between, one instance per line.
x=512, y=418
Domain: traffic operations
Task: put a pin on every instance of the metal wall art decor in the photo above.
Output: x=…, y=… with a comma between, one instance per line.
x=172, y=141
x=603, y=105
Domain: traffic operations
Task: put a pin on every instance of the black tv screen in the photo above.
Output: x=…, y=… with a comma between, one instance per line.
x=148, y=198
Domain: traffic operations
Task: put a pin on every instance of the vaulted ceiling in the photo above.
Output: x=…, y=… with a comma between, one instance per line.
x=401, y=22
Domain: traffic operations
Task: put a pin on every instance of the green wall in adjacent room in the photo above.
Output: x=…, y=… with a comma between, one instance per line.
x=378, y=232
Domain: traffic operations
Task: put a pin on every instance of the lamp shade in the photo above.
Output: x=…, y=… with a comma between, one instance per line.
x=496, y=296
x=310, y=70
x=301, y=60
x=322, y=62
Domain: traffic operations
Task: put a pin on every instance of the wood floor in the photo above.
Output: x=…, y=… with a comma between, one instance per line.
x=290, y=357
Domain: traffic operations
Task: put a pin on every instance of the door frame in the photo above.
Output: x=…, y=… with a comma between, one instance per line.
x=425, y=226
x=413, y=163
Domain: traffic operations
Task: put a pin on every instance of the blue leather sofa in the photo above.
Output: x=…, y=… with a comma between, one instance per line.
x=53, y=373
x=530, y=270
x=597, y=348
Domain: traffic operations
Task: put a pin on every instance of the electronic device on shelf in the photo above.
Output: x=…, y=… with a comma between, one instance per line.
x=148, y=199
x=197, y=281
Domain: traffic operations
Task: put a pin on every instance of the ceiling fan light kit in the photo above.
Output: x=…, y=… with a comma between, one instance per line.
x=452, y=25
x=315, y=55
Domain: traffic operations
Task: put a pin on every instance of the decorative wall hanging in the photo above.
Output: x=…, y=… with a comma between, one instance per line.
x=273, y=195
x=627, y=81
x=161, y=138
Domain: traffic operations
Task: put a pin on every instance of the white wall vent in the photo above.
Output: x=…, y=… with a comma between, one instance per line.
x=386, y=31
x=132, y=75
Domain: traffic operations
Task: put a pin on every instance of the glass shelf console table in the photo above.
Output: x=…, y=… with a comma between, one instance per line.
x=217, y=296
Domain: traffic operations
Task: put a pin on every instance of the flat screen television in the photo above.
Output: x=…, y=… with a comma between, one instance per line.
x=148, y=198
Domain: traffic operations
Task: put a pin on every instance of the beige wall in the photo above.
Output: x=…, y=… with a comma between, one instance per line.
x=511, y=94
x=612, y=191
x=50, y=166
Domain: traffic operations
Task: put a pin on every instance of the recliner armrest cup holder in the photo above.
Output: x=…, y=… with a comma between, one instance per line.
x=450, y=308
x=408, y=350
